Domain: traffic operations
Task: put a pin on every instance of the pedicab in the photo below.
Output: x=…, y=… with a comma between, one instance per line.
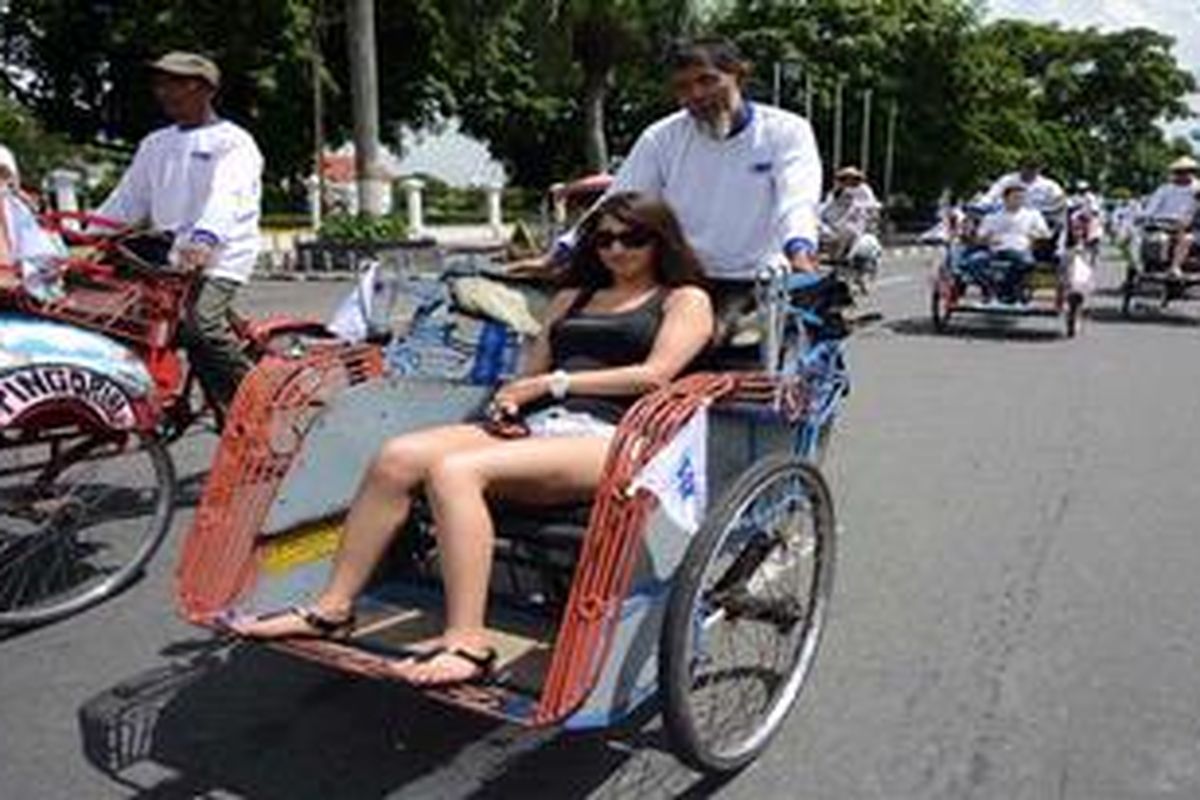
x=92, y=389
x=699, y=577
x=1054, y=288
x=1150, y=271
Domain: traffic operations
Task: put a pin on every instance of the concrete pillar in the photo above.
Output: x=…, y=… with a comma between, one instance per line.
x=559, y=212
x=416, y=211
x=64, y=184
x=495, y=214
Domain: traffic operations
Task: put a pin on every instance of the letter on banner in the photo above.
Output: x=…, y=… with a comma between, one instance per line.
x=678, y=474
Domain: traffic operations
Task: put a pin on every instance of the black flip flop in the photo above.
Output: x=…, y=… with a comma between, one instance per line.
x=485, y=662
x=322, y=627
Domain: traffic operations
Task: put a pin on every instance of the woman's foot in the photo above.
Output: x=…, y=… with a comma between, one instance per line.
x=297, y=622
x=448, y=660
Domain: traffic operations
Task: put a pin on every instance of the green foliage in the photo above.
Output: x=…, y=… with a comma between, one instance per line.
x=36, y=151
x=349, y=228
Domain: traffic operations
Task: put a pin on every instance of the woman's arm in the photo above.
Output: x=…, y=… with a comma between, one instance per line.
x=686, y=329
x=537, y=355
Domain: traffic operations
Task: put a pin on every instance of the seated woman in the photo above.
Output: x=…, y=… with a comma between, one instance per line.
x=632, y=317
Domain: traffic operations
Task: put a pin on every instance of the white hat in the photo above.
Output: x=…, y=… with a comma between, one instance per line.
x=1184, y=164
x=188, y=65
x=9, y=161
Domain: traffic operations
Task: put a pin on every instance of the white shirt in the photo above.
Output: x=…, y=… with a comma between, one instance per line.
x=740, y=201
x=1042, y=193
x=205, y=180
x=1172, y=201
x=851, y=209
x=1013, y=230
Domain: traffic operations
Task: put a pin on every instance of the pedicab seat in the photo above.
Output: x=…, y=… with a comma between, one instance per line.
x=551, y=526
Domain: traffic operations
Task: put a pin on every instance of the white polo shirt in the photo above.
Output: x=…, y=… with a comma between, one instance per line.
x=203, y=182
x=1013, y=230
x=741, y=201
x=1172, y=201
x=1044, y=194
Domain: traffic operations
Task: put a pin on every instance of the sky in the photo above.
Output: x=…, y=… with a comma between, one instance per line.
x=1179, y=18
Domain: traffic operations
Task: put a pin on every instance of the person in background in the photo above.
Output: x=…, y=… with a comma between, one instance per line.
x=1010, y=235
x=199, y=180
x=1175, y=203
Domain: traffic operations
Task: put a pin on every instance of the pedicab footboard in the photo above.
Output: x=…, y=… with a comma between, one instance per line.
x=238, y=523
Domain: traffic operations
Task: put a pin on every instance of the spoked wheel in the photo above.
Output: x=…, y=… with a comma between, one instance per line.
x=941, y=305
x=1074, y=307
x=79, y=518
x=745, y=614
x=1128, y=289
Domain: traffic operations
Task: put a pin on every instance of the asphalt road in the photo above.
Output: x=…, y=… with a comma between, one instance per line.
x=1013, y=614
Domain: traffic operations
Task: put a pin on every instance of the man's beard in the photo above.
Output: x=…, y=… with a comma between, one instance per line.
x=716, y=124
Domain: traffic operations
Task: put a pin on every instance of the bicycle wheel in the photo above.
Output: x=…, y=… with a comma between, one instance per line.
x=745, y=614
x=79, y=518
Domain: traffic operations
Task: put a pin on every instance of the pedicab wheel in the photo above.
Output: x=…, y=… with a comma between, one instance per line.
x=939, y=303
x=745, y=614
x=1073, y=310
x=78, y=521
x=1128, y=289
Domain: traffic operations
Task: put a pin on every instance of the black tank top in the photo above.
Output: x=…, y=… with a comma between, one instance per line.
x=583, y=341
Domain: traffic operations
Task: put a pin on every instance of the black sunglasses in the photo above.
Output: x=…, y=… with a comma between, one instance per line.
x=630, y=239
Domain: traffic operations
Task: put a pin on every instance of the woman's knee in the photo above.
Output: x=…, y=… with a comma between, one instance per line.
x=452, y=474
x=400, y=463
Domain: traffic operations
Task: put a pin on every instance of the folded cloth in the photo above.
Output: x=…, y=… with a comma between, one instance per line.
x=495, y=300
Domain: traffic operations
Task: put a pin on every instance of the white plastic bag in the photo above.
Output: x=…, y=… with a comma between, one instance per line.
x=1080, y=275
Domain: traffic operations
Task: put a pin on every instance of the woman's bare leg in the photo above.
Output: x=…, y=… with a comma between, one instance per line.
x=536, y=471
x=380, y=508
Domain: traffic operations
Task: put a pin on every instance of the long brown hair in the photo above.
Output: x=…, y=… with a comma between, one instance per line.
x=675, y=263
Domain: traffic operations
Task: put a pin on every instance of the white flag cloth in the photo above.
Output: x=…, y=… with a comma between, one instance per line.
x=351, y=319
x=678, y=474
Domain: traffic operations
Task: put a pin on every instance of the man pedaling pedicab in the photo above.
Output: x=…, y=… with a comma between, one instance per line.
x=848, y=215
x=1042, y=193
x=743, y=177
x=1174, y=206
x=632, y=316
x=198, y=181
x=1007, y=235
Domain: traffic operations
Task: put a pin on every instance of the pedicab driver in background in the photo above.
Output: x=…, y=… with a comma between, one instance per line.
x=744, y=178
x=1175, y=202
x=849, y=211
x=1010, y=235
x=1041, y=193
x=199, y=179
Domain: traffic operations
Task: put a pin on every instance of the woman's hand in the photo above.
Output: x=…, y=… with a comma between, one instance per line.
x=512, y=396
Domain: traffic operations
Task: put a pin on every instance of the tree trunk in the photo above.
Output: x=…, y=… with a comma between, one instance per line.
x=595, y=90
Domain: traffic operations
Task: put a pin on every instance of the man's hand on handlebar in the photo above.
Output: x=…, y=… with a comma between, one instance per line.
x=193, y=257
x=801, y=261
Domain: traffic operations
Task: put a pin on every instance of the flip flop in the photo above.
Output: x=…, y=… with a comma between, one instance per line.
x=322, y=627
x=485, y=662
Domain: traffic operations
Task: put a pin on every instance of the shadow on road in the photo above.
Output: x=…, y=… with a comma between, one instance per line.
x=979, y=327
x=1148, y=313
x=245, y=721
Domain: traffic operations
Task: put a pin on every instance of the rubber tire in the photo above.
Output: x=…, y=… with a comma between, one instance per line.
x=673, y=669
x=1128, y=289
x=1074, y=307
x=941, y=318
x=152, y=539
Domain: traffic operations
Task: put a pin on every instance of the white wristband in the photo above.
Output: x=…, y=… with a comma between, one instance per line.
x=560, y=384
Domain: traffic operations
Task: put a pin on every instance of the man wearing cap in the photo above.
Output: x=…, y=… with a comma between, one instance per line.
x=1175, y=203
x=199, y=179
x=849, y=211
x=1085, y=213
